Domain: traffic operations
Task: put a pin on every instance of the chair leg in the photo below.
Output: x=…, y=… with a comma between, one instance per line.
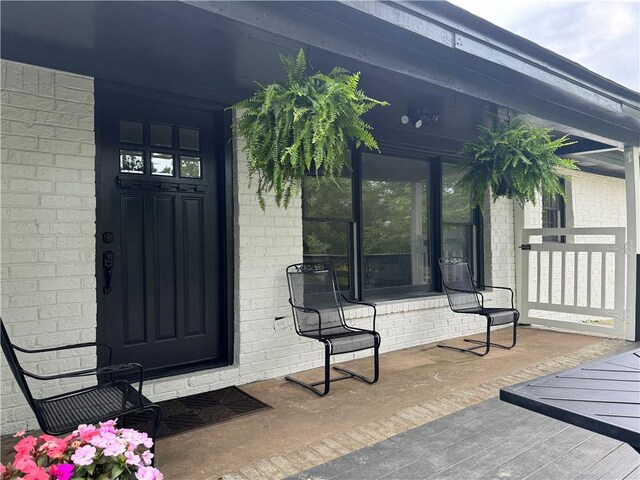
x=486, y=344
x=506, y=347
x=348, y=374
x=327, y=376
x=376, y=370
x=156, y=412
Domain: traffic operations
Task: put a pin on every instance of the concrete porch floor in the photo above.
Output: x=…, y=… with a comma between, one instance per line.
x=417, y=385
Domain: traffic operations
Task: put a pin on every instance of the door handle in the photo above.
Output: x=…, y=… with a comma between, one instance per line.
x=107, y=265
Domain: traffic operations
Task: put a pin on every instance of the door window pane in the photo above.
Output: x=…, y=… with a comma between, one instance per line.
x=130, y=132
x=131, y=161
x=190, y=167
x=189, y=139
x=161, y=135
x=395, y=221
x=161, y=164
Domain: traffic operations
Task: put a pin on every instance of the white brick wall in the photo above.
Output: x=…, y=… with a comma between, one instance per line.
x=595, y=200
x=499, y=243
x=47, y=222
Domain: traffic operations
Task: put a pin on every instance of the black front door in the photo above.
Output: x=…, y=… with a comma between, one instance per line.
x=159, y=245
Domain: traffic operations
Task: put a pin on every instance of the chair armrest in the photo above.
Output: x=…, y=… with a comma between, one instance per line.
x=307, y=310
x=502, y=288
x=111, y=369
x=355, y=302
x=66, y=347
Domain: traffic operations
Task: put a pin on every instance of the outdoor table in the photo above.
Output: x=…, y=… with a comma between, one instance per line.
x=602, y=396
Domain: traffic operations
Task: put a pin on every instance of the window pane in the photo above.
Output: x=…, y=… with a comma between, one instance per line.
x=395, y=222
x=161, y=135
x=131, y=161
x=326, y=198
x=190, y=167
x=161, y=164
x=189, y=138
x=328, y=242
x=456, y=204
x=456, y=241
x=130, y=132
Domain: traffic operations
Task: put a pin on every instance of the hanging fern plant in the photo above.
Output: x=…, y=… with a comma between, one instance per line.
x=303, y=125
x=514, y=158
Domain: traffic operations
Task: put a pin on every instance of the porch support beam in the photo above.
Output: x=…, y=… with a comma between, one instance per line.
x=632, y=183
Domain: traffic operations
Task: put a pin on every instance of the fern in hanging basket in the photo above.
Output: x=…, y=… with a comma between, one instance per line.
x=303, y=125
x=512, y=157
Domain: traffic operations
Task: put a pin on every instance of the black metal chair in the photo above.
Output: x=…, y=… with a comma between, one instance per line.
x=316, y=302
x=110, y=398
x=464, y=297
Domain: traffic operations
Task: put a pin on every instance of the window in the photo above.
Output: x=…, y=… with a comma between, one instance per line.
x=385, y=223
x=553, y=215
x=395, y=225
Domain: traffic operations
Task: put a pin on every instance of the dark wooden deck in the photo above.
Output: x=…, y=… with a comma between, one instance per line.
x=490, y=440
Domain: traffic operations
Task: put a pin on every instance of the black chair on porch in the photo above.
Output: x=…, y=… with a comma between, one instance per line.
x=110, y=398
x=464, y=297
x=316, y=302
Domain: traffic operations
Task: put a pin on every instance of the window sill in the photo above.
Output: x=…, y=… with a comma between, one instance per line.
x=408, y=303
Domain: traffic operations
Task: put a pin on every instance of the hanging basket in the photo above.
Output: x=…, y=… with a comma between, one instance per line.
x=303, y=125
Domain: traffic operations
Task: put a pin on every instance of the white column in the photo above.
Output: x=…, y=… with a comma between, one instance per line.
x=632, y=182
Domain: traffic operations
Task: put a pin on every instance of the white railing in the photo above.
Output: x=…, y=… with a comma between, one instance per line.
x=577, y=285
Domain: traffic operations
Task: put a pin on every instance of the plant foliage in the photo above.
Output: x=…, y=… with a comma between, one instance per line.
x=515, y=154
x=303, y=125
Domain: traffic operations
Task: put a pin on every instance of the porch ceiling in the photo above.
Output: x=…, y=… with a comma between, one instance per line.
x=430, y=55
x=435, y=43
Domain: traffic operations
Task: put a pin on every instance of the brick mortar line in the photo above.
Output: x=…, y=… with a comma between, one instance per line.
x=354, y=439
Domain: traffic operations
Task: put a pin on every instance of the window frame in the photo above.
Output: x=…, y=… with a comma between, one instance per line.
x=560, y=215
x=355, y=250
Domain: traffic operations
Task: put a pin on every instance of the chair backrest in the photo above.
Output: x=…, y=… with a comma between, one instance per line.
x=315, y=285
x=14, y=364
x=456, y=275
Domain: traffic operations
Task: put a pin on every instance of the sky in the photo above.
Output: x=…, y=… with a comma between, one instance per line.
x=603, y=36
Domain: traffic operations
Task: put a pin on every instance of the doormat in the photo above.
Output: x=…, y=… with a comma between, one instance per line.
x=197, y=411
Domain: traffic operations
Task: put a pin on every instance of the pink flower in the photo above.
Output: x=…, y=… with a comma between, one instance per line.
x=19, y=433
x=84, y=455
x=37, y=473
x=132, y=458
x=24, y=463
x=53, y=446
x=103, y=439
x=108, y=427
x=146, y=457
x=86, y=432
x=25, y=445
x=114, y=449
x=148, y=473
x=135, y=438
x=63, y=471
